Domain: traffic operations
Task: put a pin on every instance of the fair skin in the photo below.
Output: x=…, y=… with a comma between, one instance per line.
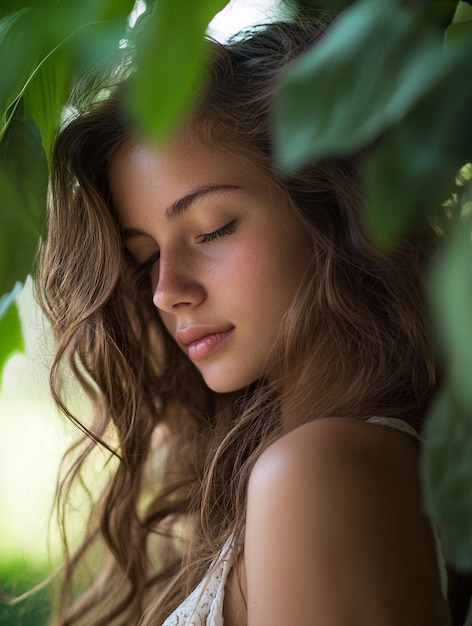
x=341, y=501
x=225, y=265
x=335, y=533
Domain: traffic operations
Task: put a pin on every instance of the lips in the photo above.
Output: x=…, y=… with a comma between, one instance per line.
x=201, y=341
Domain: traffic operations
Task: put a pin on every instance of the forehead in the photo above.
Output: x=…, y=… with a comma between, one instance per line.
x=140, y=174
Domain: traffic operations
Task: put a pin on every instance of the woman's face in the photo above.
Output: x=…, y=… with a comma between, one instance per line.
x=224, y=249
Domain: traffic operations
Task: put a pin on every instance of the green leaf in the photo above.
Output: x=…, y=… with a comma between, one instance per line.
x=96, y=46
x=20, y=51
x=170, y=62
x=8, y=7
x=366, y=72
x=46, y=95
x=114, y=9
x=23, y=188
x=458, y=32
x=90, y=31
x=447, y=455
x=11, y=335
x=463, y=12
x=452, y=284
x=412, y=170
x=446, y=468
x=75, y=39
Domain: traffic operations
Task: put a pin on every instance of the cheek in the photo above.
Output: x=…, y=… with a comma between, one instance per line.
x=262, y=284
x=276, y=264
x=296, y=255
x=248, y=272
x=234, y=270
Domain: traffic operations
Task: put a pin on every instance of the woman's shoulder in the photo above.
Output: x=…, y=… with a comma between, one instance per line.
x=335, y=511
x=339, y=466
x=341, y=444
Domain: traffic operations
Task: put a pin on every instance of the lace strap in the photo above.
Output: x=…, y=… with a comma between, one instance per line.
x=396, y=424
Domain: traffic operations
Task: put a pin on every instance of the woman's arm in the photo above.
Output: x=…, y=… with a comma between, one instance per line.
x=335, y=533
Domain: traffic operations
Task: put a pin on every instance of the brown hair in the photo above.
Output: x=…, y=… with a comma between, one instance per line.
x=354, y=340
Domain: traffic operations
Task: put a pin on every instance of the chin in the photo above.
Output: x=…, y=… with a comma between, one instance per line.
x=224, y=388
x=227, y=384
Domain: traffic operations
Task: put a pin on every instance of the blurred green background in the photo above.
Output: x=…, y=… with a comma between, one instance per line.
x=32, y=440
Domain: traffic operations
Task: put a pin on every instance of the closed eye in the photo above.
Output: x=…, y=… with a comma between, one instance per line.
x=229, y=229
x=148, y=263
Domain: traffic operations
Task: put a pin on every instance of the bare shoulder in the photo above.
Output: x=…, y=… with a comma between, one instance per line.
x=335, y=527
x=335, y=469
x=337, y=448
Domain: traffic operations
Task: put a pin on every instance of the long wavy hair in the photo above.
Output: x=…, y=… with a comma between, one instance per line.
x=354, y=343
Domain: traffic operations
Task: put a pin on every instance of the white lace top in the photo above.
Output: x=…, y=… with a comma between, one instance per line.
x=204, y=606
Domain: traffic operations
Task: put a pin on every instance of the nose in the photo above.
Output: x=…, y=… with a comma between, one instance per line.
x=178, y=284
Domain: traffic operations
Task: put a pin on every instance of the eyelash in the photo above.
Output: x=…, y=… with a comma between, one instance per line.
x=228, y=229
x=148, y=263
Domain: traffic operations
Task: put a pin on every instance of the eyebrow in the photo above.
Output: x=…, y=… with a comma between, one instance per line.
x=183, y=204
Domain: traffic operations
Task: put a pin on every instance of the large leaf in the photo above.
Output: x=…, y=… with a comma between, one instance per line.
x=46, y=47
x=446, y=466
x=8, y=7
x=453, y=307
x=48, y=44
x=412, y=171
x=464, y=11
x=47, y=93
x=170, y=62
x=20, y=53
x=371, y=66
x=91, y=31
x=113, y=9
x=447, y=455
x=11, y=335
x=23, y=185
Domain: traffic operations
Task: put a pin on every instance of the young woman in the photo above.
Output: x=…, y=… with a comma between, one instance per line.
x=257, y=367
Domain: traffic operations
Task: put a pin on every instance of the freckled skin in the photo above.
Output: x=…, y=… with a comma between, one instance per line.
x=243, y=279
